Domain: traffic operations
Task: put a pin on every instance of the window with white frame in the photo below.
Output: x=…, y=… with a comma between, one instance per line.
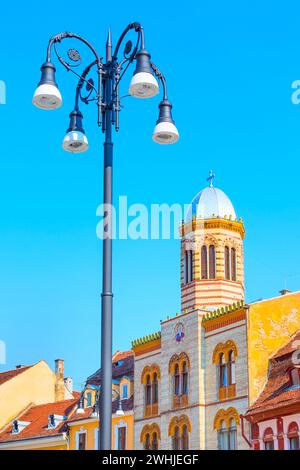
x=81, y=441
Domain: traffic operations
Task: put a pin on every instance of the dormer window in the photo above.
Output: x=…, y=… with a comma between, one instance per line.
x=54, y=420
x=295, y=377
x=18, y=426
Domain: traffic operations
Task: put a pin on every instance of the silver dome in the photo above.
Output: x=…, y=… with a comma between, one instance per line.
x=210, y=202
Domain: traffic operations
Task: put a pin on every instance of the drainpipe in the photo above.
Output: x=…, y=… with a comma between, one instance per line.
x=243, y=432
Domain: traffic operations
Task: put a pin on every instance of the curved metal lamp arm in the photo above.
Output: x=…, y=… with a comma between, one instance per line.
x=138, y=28
x=59, y=37
x=161, y=77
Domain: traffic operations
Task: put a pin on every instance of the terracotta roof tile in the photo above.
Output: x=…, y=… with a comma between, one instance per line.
x=10, y=374
x=38, y=418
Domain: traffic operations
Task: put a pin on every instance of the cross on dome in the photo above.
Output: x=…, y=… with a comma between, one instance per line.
x=210, y=178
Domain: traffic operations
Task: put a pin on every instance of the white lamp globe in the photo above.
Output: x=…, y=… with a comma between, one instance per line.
x=143, y=85
x=75, y=142
x=47, y=96
x=165, y=133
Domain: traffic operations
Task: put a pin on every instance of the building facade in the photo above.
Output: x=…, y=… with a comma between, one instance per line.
x=199, y=373
x=275, y=415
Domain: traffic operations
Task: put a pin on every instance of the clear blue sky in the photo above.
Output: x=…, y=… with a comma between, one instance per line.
x=229, y=68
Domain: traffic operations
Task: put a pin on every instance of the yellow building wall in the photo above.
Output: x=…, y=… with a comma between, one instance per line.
x=92, y=425
x=34, y=385
x=271, y=324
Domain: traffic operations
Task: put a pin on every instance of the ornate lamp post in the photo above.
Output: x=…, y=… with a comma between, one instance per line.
x=106, y=95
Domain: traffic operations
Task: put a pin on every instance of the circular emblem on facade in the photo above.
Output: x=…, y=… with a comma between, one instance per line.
x=179, y=332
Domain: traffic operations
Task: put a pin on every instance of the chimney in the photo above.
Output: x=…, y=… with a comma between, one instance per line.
x=59, y=379
x=284, y=291
x=68, y=381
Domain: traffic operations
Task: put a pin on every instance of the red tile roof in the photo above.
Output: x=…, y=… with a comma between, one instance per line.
x=10, y=374
x=120, y=355
x=38, y=418
x=278, y=391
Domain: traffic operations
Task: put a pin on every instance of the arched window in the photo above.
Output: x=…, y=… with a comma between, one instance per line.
x=147, y=442
x=179, y=367
x=176, y=381
x=150, y=378
x=269, y=439
x=185, y=379
x=191, y=276
x=155, y=388
x=154, y=441
x=232, y=435
x=185, y=438
x=188, y=267
x=222, y=436
x=204, y=274
x=148, y=390
x=176, y=439
x=293, y=436
x=227, y=263
x=224, y=356
x=231, y=368
x=225, y=423
x=150, y=436
x=179, y=430
x=233, y=264
x=222, y=371
x=212, y=262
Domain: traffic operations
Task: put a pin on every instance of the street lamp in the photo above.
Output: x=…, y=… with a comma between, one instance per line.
x=106, y=95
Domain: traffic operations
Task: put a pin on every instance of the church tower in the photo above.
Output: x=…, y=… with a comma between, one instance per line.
x=212, y=258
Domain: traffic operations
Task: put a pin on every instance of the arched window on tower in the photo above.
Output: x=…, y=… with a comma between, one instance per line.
x=212, y=262
x=233, y=264
x=227, y=263
x=204, y=273
x=188, y=267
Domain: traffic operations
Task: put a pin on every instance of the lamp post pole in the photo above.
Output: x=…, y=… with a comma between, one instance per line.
x=105, y=409
x=106, y=95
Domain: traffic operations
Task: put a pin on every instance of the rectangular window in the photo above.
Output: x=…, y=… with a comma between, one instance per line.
x=122, y=438
x=81, y=441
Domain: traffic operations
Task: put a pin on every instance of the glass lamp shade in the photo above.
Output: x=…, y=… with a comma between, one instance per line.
x=165, y=133
x=75, y=142
x=47, y=96
x=143, y=85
